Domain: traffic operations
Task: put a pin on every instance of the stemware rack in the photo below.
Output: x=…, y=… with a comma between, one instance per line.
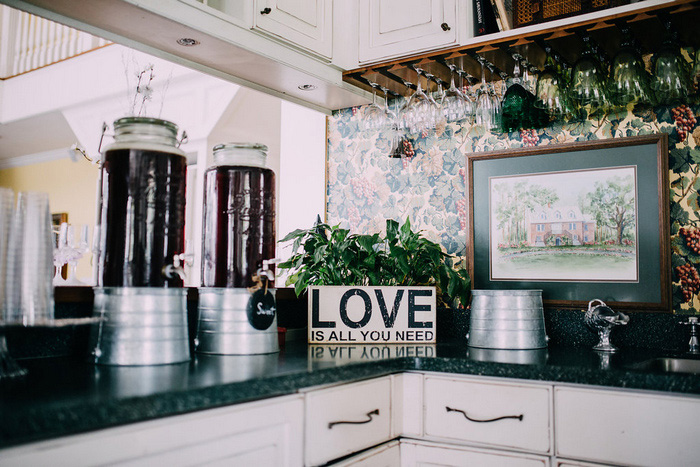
x=499, y=51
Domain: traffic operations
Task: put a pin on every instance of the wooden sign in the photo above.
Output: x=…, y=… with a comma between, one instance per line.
x=371, y=315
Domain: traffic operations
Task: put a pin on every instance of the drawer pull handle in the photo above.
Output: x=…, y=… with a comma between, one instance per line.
x=362, y=422
x=518, y=417
x=445, y=27
x=266, y=11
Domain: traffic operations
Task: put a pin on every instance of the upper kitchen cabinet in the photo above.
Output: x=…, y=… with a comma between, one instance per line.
x=280, y=47
x=306, y=23
x=395, y=28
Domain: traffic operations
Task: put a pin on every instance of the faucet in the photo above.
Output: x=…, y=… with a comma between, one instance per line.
x=693, y=344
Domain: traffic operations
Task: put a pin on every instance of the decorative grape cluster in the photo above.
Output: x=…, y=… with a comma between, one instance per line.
x=407, y=148
x=363, y=188
x=424, y=134
x=692, y=238
x=354, y=111
x=529, y=137
x=354, y=216
x=685, y=120
x=462, y=213
x=690, y=281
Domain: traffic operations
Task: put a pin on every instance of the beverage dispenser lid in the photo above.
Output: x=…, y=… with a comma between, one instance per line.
x=249, y=154
x=146, y=133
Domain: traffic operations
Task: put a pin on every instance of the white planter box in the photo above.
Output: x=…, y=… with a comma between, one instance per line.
x=371, y=315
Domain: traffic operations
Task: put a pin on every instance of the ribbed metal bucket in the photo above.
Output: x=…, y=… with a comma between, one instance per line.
x=222, y=369
x=141, y=326
x=507, y=319
x=224, y=326
x=519, y=356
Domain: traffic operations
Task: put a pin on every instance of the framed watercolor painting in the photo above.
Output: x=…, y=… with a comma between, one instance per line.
x=579, y=221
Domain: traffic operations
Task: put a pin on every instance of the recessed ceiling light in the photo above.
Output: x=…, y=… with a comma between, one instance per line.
x=306, y=87
x=187, y=41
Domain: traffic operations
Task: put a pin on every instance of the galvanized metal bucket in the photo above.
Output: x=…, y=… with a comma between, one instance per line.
x=519, y=356
x=225, y=326
x=507, y=319
x=140, y=326
x=223, y=369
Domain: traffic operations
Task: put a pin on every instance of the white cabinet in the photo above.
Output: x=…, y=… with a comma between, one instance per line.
x=394, y=28
x=345, y=419
x=408, y=419
x=407, y=407
x=626, y=427
x=306, y=23
x=421, y=453
x=503, y=415
x=386, y=455
x=265, y=433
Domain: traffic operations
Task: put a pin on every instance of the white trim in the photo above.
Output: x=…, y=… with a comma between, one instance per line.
x=36, y=158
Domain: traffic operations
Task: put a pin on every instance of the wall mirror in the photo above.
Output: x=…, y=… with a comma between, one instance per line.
x=58, y=85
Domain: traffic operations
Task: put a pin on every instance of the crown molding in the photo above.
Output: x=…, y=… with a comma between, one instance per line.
x=36, y=158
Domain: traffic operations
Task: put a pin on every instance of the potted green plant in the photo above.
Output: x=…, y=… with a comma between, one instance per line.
x=330, y=255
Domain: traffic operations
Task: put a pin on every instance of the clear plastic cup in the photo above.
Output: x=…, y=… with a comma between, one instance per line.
x=7, y=199
x=29, y=273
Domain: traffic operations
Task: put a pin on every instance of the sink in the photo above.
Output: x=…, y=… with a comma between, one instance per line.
x=670, y=365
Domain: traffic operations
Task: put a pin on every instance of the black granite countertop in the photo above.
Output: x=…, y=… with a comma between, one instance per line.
x=65, y=395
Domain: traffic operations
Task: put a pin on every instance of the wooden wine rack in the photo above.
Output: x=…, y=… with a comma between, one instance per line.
x=498, y=50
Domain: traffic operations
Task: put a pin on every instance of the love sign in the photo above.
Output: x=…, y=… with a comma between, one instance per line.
x=371, y=315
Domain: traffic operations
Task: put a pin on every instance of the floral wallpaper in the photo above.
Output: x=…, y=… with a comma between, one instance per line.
x=365, y=186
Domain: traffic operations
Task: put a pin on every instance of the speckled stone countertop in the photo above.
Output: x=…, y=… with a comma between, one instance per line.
x=64, y=395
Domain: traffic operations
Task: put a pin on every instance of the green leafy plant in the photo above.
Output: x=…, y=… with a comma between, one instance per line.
x=330, y=255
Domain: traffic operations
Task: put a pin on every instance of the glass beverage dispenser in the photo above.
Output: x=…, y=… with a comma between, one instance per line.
x=140, y=245
x=237, y=309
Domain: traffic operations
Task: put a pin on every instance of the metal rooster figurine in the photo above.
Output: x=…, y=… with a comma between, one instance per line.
x=602, y=319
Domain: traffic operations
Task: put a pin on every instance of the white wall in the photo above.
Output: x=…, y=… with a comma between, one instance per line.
x=302, y=171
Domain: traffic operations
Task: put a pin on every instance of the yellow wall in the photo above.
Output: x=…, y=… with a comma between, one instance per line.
x=71, y=187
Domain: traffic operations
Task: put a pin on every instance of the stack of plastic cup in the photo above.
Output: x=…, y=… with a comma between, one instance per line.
x=29, y=262
x=7, y=198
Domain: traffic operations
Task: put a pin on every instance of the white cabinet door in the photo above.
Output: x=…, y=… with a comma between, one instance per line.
x=393, y=28
x=265, y=433
x=306, y=23
x=345, y=419
x=417, y=454
x=626, y=427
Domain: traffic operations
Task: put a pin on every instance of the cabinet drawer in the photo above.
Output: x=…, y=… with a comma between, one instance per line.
x=626, y=427
x=486, y=413
x=419, y=453
x=345, y=419
x=386, y=455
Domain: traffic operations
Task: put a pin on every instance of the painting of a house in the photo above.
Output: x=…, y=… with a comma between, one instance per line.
x=559, y=226
x=578, y=225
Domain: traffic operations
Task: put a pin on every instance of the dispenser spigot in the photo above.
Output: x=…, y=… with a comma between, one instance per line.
x=170, y=271
x=177, y=268
x=265, y=271
x=265, y=274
